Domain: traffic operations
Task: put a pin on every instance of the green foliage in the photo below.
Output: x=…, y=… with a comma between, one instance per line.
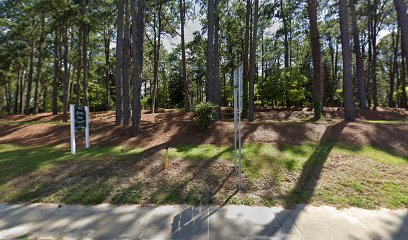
x=286, y=86
x=204, y=114
x=146, y=103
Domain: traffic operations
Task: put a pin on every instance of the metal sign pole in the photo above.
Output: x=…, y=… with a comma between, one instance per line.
x=72, y=117
x=87, y=118
x=235, y=117
x=240, y=93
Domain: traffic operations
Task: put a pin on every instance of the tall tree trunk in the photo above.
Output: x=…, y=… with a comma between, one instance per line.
x=263, y=62
x=210, y=49
x=119, y=63
x=138, y=27
x=85, y=66
x=347, y=61
x=394, y=69
x=285, y=30
x=182, y=7
x=245, y=59
x=333, y=74
x=216, y=79
x=317, y=83
x=156, y=62
x=16, y=94
x=106, y=40
x=374, y=72
x=66, y=76
x=373, y=20
x=56, y=74
x=369, y=69
x=44, y=94
x=253, y=64
x=403, y=21
x=30, y=77
x=22, y=85
x=7, y=89
x=38, y=77
x=359, y=58
x=85, y=39
x=39, y=68
x=126, y=63
x=79, y=67
x=404, y=60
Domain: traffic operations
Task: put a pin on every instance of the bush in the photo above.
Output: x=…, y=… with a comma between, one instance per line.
x=146, y=103
x=204, y=113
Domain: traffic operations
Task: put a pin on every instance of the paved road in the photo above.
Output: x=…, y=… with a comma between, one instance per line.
x=186, y=222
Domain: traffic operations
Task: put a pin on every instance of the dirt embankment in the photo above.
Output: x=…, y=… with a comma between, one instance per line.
x=171, y=128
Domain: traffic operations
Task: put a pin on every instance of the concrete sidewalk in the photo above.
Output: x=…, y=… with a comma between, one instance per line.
x=186, y=222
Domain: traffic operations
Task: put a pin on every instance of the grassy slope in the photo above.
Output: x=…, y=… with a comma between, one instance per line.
x=261, y=161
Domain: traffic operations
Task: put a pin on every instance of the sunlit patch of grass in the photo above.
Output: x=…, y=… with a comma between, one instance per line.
x=387, y=156
x=200, y=152
x=387, y=121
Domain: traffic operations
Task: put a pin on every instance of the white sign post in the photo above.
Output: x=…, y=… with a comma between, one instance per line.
x=87, y=142
x=74, y=117
x=238, y=95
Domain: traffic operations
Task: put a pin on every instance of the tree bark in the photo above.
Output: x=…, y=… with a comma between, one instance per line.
x=66, y=76
x=245, y=58
x=7, y=89
x=347, y=61
x=285, y=30
x=216, y=79
x=359, y=59
x=317, y=82
x=44, y=94
x=119, y=63
x=403, y=21
x=403, y=81
x=126, y=66
x=85, y=39
x=17, y=92
x=22, y=85
x=30, y=77
x=369, y=60
x=79, y=67
x=253, y=64
x=394, y=69
x=182, y=7
x=38, y=78
x=156, y=61
x=210, y=54
x=39, y=68
x=56, y=74
x=138, y=25
x=106, y=40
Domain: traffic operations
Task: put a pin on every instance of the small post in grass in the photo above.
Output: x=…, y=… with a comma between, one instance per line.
x=166, y=159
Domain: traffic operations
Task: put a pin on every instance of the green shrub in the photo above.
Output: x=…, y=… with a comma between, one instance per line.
x=204, y=113
x=146, y=103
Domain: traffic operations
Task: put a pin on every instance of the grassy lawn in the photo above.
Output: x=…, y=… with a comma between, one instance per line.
x=387, y=121
x=330, y=173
